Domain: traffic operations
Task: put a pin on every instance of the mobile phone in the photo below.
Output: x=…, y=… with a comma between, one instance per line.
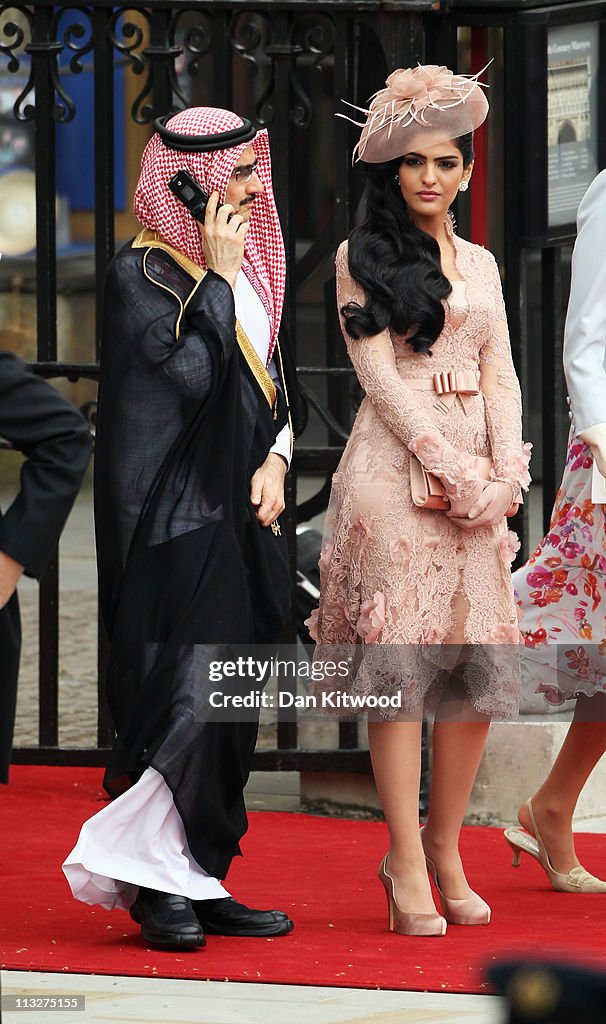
x=189, y=192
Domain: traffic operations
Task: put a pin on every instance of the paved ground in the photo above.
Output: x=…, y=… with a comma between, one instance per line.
x=121, y=1000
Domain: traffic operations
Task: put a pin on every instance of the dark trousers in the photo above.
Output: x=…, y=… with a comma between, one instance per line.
x=10, y=647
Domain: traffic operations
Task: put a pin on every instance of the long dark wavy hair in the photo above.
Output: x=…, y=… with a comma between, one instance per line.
x=396, y=263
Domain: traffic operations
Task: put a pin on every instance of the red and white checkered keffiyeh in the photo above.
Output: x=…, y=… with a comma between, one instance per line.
x=158, y=209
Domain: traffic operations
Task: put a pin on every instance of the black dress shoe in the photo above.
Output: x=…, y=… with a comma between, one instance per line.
x=166, y=920
x=226, y=917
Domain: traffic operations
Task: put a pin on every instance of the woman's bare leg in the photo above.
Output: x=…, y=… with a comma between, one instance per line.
x=457, y=750
x=459, y=737
x=555, y=801
x=395, y=750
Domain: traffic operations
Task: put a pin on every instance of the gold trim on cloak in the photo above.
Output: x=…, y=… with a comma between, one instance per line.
x=261, y=375
x=151, y=239
x=147, y=239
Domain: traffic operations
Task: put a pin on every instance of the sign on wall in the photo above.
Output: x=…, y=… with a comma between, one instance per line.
x=572, y=102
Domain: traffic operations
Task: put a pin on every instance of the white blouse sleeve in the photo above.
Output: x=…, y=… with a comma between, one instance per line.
x=283, y=443
x=585, y=331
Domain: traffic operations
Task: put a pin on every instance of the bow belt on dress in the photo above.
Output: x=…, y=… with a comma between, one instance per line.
x=448, y=384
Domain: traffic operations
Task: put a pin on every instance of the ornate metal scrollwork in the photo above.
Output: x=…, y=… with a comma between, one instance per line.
x=131, y=40
x=157, y=55
x=316, y=38
x=128, y=39
x=246, y=37
x=129, y=31
x=312, y=35
x=48, y=50
x=16, y=32
x=250, y=35
x=73, y=34
x=197, y=40
x=24, y=42
x=20, y=35
x=253, y=37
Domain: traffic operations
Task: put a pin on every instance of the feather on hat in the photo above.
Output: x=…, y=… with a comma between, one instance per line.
x=428, y=98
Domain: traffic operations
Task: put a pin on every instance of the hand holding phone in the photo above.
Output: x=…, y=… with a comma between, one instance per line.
x=223, y=235
x=222, y=231
x=189, y=192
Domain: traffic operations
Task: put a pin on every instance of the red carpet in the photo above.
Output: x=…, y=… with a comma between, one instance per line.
x=321, y=870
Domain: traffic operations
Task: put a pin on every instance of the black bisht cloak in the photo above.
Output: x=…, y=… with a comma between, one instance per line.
x=182, y=558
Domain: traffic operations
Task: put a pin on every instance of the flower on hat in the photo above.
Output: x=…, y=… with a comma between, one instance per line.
x=425, y=96
x=416, y=89
x=406, y=83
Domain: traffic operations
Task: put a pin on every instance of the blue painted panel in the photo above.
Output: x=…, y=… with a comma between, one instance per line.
x=75, y=141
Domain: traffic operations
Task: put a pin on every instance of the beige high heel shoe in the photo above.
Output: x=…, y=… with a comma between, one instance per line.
x=471, y=910
x=402, y=922
x=577, y=879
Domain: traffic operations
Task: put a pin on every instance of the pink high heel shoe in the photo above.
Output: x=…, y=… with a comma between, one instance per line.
x=402, y=922
x=471, y=910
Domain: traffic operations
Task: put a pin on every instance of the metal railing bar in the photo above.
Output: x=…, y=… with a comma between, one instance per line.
x=357, y=761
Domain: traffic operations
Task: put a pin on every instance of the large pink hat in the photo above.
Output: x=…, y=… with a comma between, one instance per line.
x=415, y=102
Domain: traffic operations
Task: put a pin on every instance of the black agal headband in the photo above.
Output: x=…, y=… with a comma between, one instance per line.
x=203, y=143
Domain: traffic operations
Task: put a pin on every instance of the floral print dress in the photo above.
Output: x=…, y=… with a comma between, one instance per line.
x=561, y=591
x=394, y=574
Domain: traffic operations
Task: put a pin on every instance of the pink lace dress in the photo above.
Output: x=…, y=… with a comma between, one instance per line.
x=394, y=574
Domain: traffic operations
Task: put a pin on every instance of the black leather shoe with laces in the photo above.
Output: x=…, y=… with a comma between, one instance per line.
x=166, y=920
x=227, y=917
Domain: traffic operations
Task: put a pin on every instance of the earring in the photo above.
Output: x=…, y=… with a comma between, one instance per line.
x=464, y=185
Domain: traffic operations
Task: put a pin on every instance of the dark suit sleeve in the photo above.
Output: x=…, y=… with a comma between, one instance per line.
x=55, y=439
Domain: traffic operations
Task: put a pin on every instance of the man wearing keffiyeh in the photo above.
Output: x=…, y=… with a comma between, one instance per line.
x=194, y=438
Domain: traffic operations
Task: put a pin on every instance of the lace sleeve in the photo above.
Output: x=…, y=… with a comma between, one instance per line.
x=502, y=398
x=398, y=406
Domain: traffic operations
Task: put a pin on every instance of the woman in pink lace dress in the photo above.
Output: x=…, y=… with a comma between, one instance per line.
x=423, y=319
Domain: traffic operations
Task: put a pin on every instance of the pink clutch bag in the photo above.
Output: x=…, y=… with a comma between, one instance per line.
x=428, y=492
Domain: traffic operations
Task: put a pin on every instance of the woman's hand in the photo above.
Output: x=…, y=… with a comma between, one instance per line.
x=595, y=437
x=488, y=510
x=223, y=239
x=267, y=489
x=599, y=457
x=459, y=507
